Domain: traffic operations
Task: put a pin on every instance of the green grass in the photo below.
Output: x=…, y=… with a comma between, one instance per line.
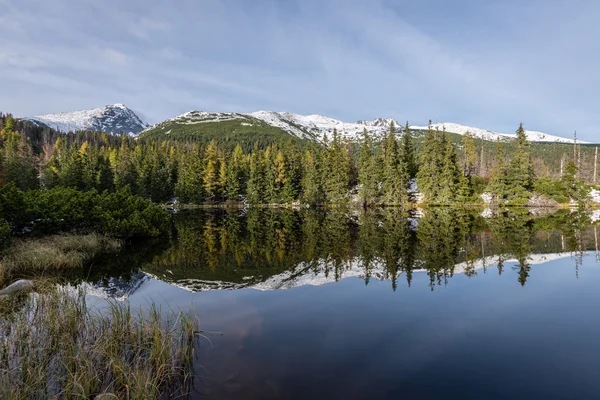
x=54, y=346
x=36, y=257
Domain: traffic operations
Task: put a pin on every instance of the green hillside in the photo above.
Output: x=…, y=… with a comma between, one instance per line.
x=227, y=132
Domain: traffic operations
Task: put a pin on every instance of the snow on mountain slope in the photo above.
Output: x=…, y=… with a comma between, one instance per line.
x=302, y=126
x=532, y=136
x=320, y=273
x=114, y=118
x=319, y=125
x=463, y=129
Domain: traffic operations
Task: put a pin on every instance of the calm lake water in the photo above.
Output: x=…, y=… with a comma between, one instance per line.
x=440, y=304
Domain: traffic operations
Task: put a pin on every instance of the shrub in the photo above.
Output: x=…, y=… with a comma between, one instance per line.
x=552, y=188
x=5, y=238
x=119, y=214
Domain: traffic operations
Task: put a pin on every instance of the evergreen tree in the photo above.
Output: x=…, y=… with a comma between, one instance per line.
x=9, y=126
x=18, y=164
x=337, y=171
x=520, y=170
x=71, y=169
x=190, y=184
x=430, y=162
x=574, y=187
x=125, y=171
x=235, y=175
x=212, y=175
x=293, y=175
x=88, y=167
x=368, y=172
x=449, y=173
x=312, y=189
x=257, y=184
x=470, y=154
x=407, y=150
x=393, y=184
x=498, y=185
x=278, y=177
x=104, y=176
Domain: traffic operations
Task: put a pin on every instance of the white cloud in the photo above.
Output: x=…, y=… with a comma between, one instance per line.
x=20, y=61
x=491, y=66
x=144, y=27
x=114, y=56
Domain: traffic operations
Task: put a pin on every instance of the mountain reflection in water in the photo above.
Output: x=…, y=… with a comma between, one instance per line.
x=282, y=249
x=384, y=304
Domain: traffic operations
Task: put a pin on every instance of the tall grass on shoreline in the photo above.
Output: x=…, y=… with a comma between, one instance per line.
x=34, y=257
x=57, y=347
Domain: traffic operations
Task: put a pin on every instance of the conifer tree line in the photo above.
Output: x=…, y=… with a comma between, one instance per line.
x=379, y=172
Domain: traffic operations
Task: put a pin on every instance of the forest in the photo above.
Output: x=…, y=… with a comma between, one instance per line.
x=398, y=170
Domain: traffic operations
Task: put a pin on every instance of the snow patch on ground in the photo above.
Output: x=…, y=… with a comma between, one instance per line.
x=487, y=197
x=595, y=195
x=487, y=213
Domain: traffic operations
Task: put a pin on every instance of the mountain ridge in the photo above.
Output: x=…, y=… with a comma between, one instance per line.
x=317, y=126
x=118, y=118
x=112, y=118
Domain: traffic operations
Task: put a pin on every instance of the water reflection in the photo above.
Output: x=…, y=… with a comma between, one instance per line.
x=447, y=304
x=279, y=249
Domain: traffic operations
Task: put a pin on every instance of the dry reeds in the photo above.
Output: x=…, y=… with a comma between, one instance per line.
x=57, y=347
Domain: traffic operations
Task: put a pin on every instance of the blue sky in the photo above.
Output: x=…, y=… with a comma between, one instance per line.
x=490, y=64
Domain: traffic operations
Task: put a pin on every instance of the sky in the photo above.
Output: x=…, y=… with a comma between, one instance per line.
x=485, y=63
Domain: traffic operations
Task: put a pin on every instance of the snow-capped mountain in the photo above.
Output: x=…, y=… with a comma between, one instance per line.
x=320, y=126
x=114, y=118
x=317, y=126
x=532, y=136
x=302, y=126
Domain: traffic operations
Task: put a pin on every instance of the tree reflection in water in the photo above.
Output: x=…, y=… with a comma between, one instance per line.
x=234, y=249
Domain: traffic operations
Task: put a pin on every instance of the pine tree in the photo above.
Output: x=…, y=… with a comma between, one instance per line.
x=574, y=187
x=429, y=165
x=104, y=176
x=408, y=163
x=498, y=185
x=407, y=150
x=392, y=185
x=293, y=175
x=71, y=169
x=257, y=185
x=337, y=171
x=278, y=177
x=312, y=188
x=470, y=154
x=520, y=170
x=449, y=173
x=125, y=171
x=9, y=126
x=212, y=175
x=88, y=171
x=234, y=181
x=368, y=172
x=160, y=185
x=190, y=184
x=18, y=164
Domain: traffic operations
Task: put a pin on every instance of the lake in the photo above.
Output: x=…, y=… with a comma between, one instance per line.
x=299, y=304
